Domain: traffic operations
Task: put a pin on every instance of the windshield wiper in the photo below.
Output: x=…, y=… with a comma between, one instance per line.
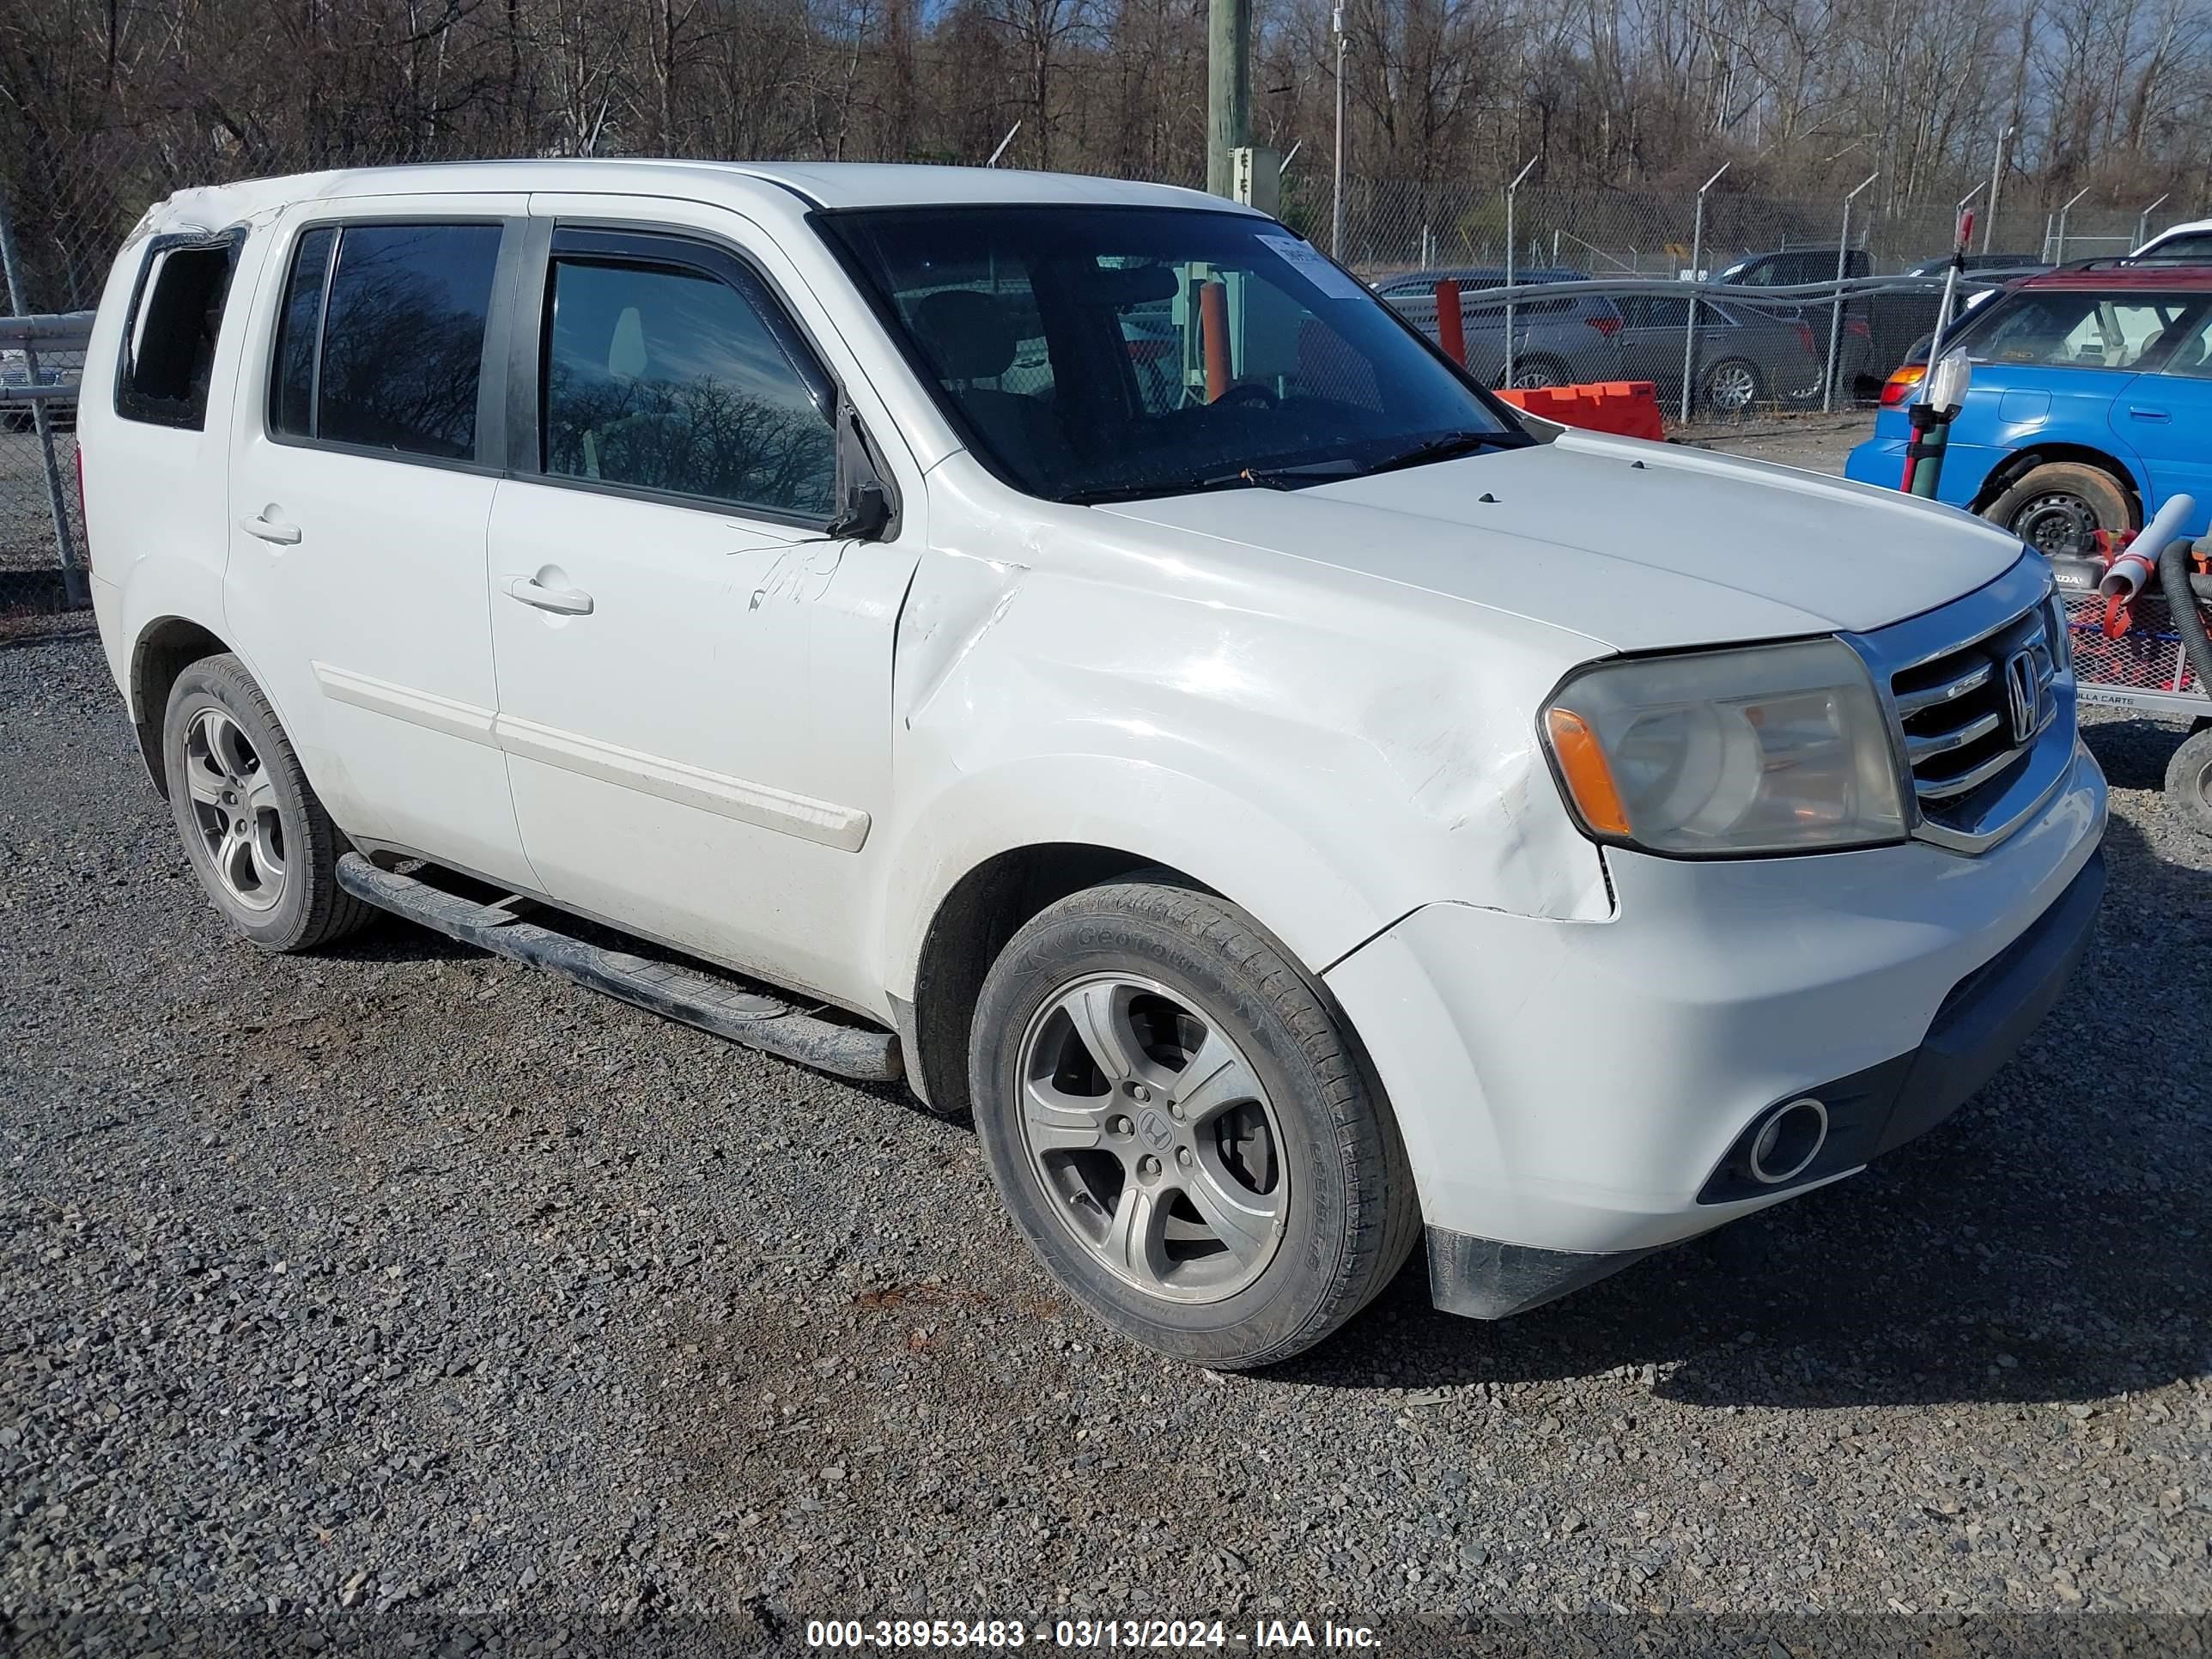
x=1449, y=445
x=1246, y=477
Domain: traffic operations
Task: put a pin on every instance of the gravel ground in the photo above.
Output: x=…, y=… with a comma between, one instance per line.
x=1819, y=442
x=402, y=1278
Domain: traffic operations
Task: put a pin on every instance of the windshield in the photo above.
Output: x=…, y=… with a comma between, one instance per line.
x=1089, y=354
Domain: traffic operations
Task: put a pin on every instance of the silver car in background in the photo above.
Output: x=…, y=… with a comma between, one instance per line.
x=1569, y=341
x=1745, y=355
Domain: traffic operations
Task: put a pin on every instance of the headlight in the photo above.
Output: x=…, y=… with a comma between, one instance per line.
x=1772, y=749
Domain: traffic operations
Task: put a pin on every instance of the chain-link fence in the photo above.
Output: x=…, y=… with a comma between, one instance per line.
x=1736, y=356
x=42, y=565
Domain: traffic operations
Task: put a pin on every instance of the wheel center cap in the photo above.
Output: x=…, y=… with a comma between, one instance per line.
x=1155, y=1131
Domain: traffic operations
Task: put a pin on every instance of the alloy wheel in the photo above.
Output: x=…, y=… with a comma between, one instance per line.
x=234, y=806
x=1732, y=388
x=1153, y=1139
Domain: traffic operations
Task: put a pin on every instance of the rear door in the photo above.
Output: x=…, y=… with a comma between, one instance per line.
x=364, y=455
x=2165, y=416
x=1653, y=326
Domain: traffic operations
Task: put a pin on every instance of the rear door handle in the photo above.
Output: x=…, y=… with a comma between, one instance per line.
x=563, y=601
x=2139, y=413
x=270, y=530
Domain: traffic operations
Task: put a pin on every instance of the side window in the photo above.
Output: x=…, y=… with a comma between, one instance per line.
x=667, y=379
x=1656, y=311
x=403, y=338
x=2075, y=330
x=299, y=332
x=380, y=342
x=2194, y=248
x=176, y=317
x=2191, y=357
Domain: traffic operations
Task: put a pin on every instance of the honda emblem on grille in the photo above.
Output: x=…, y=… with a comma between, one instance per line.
x=2022, y=694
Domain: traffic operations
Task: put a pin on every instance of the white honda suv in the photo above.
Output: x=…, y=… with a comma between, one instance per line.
x=1068, y=644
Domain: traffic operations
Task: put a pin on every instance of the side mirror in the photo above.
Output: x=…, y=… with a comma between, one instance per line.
x=867, y=504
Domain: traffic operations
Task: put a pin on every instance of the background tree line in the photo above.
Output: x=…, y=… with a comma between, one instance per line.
x=110, y=103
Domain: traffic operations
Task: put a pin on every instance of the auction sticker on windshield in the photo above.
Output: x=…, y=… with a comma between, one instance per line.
x=1332, y=280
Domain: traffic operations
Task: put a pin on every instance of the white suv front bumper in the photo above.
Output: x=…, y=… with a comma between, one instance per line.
x=1574, y=1094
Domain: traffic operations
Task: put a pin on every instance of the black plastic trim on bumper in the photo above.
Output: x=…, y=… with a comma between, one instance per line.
x=1483, y=1278
x=1980, y=1025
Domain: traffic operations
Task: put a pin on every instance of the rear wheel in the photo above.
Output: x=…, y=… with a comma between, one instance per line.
x=2058, y=508
x=1183, y=1130
x=260, y=842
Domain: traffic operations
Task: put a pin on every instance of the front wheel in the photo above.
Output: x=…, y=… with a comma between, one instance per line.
x=1732, y=387
x=2058, y=507
x=1535, y=374
x=1183, y=1130
x=257, y=836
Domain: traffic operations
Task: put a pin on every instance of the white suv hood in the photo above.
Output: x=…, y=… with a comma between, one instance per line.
x=1638, y=546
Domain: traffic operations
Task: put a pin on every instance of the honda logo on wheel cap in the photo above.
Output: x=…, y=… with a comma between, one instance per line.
x=2023, y=694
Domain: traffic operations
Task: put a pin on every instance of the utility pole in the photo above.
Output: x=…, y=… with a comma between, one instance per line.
x=1228, y=90
x=1336, y=194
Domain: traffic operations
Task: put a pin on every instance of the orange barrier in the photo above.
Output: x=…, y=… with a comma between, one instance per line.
x=1629, y=407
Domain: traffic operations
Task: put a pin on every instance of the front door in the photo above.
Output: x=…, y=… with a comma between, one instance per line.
x=364, y=465
x=695, y=676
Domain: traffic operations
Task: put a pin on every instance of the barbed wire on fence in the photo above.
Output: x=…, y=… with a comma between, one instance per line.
x=1403, y=225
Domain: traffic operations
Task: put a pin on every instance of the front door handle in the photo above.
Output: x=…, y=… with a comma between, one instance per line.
x=2139, y=413
x=563, y=601
x=270, y=530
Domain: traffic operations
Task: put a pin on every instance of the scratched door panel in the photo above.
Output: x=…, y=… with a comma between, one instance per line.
x=703, y=753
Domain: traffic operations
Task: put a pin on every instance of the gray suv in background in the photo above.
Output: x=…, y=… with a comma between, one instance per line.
x=1569, y=341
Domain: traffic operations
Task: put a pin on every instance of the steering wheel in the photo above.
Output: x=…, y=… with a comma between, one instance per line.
x=1250, y=392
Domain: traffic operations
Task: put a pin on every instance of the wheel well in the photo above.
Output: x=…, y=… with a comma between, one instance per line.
x=2010, y=472
x=985, y=909
x=164, y=650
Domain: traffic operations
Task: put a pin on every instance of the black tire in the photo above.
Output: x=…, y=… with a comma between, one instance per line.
x=306, y=908
x=1349, y=1214
x=2054, y=507
x=1533, y=374
x=2188, y=782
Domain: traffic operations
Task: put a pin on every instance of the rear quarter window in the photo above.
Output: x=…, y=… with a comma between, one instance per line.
x=170, y=334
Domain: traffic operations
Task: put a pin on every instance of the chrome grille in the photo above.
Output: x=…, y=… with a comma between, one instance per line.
x=1971, y=716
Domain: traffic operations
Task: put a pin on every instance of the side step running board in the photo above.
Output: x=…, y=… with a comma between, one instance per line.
x=696, y=996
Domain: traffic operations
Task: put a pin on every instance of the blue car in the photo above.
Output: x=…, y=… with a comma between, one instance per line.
x=2091, y=403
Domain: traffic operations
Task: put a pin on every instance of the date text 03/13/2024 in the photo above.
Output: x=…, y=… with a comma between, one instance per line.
x=1166, y=1634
